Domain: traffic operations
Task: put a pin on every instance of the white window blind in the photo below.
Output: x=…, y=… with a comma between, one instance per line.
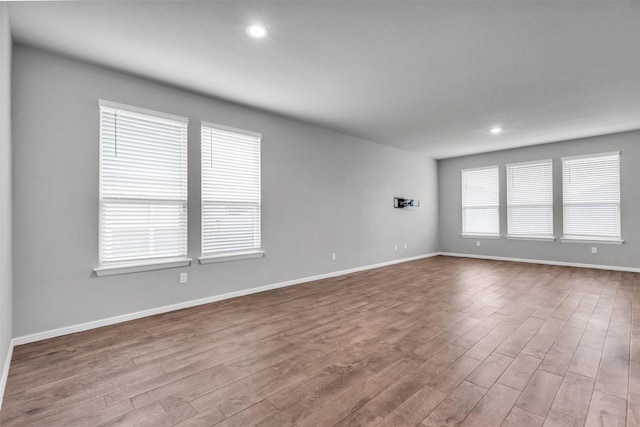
x=143, y=185
x=591, y=196
x=481, y=201
x=230, y=191
x=530, y=199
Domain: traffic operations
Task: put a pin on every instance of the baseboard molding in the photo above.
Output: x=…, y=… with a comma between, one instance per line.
x=179, y=306
x=5, y=370
x=168, y=308
x=542, y=261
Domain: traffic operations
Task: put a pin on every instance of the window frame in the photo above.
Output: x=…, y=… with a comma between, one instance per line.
x=532, y=236
x=231, y=255
x=464, y=233
x=592, y=238
x=141, y=264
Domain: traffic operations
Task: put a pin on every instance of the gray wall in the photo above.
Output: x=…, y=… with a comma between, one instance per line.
x=626, y=255
x=322, y=192
x=5, y=185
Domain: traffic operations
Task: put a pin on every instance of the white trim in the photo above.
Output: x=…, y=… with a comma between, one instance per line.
x=147, y=115
x=593, y=204
x=145, y=111
x=543, y=261
x=132, y=316
x=586, y=156
x=591, y=240
x=213, y=193
x=481, y=168
x=231, y=129
x=38, y=336
x=532, y=162
x=110, y=270
x=5, y=370
x=509, y=168
x=481, y=236
x=462, y=199
x=235, y=256
x=532, y=238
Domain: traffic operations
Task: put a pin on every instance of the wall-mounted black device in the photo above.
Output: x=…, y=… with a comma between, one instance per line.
x=402, y=203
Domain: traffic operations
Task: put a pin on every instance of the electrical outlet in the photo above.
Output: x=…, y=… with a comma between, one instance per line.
x=183, y=278
x=396, y=246
x=333, y=256
x=477, y=242
x=405, y=246
x=594, y=249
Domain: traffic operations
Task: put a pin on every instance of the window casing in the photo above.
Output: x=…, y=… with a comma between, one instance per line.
x=530, y=200
x=481, y=202
x=143, y=187
x=591, y=197
x=231, y=201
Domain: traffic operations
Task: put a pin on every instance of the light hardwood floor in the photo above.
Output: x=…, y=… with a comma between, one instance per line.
x=436, y=342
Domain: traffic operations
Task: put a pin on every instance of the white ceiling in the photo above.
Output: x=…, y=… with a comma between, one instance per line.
x=426, y=76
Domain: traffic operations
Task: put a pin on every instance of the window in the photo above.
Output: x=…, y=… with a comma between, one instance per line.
x=230, y=193
x=480, y=202
x=530, y=199
x=591, y=197
x=143, y=188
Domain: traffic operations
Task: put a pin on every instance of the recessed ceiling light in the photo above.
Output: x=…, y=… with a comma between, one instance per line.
x=496, y=130
x=257, y=31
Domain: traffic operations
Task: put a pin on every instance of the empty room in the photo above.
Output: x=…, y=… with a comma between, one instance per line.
x=320, y=213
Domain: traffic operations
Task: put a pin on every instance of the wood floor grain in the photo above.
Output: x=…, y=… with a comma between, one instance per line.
x=436, y=342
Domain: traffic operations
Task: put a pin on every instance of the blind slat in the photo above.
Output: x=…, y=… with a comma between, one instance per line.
x=230, y=191
x=591, y=196
x=143, y=186
x=481, y=201
x=530, y=199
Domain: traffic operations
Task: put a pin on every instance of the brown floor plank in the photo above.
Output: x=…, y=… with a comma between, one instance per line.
x=490, y=370
x=518, y=374
x=493, y=407
x=558, y=419
x=574, y=396
x=520, y=418
x=418, y=406
x=539, y=394
x=606, y=411
x=455, y=407
x=586, y=362
x=435, y=342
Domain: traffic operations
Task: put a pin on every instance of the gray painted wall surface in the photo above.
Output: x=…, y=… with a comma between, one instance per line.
x=626, y=255
x=5, y=185
x=322, y=192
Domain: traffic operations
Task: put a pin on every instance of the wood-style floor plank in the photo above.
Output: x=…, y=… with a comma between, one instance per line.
x=436, y=342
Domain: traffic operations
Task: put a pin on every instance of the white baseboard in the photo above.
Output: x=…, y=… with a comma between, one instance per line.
x=179, y=306
x=5, y=370
x=164, y=309
x=145, y=313
x=542, y=261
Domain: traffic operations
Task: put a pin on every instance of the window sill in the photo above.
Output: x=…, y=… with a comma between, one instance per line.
x=592, y=240
x=234, y=256
x=111, y=270
x=481, y=236
x=532, y=238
